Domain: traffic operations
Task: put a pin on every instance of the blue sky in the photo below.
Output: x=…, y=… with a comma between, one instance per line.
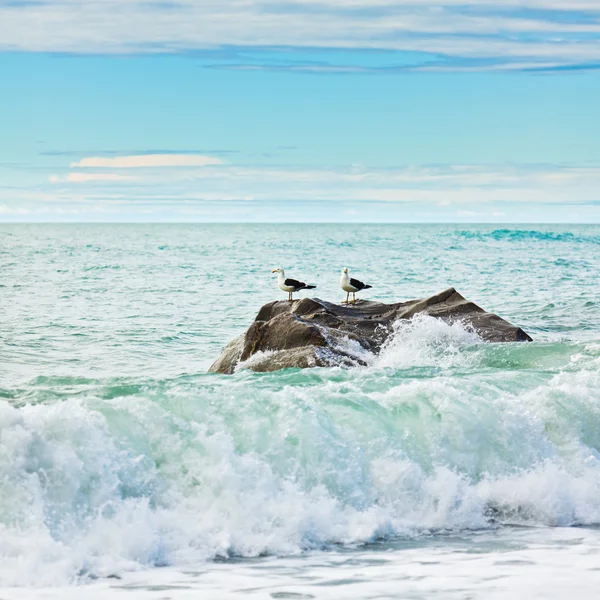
x=242, y=110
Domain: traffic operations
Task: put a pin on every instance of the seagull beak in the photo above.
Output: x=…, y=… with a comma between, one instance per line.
x=274, y=271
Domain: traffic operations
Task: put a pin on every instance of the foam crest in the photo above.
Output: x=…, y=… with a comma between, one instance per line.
x=193, y=469
x=426, y=341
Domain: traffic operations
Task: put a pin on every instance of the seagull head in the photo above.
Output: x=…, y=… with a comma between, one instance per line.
x=277, y=270
x=345, y=270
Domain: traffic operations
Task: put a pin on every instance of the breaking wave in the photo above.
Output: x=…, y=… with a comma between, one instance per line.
x=439, y=433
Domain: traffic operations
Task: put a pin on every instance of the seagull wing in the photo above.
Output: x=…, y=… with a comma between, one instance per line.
x=359, y=285
x=295, y=283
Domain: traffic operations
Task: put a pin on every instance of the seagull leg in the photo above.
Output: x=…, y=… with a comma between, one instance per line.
x=353, y=297
x=346, y=301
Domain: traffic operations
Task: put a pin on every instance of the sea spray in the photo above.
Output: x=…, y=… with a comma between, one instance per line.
x=426, y=341
x=197, y=468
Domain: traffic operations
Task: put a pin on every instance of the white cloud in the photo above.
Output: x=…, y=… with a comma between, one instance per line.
x=251, y=193
x=410, y=177
x=427, y=185
x=498, y=29
x=89, y=177
x=140, y=161
x=13, y=210
x=437, y=6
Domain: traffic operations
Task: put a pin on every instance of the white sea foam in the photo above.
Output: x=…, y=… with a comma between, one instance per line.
x=422, y=341
x=99, y=487
x=255, y=359
x=426, y=341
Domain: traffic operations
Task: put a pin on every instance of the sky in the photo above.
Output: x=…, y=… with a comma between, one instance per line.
x=300, y=111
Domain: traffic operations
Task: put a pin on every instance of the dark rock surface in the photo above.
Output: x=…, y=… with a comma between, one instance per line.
x=314, y=333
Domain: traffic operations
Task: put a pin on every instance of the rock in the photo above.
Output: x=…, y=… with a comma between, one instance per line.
x=314, y=333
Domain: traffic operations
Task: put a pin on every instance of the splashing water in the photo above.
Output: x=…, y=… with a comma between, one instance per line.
x=424, y=341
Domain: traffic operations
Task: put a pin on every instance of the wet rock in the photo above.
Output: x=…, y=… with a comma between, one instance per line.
x=314, y=333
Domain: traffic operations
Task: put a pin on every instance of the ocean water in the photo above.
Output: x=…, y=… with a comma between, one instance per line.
x=445, y=468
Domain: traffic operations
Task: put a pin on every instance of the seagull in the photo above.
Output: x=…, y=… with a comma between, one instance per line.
x=350, y=285
x=290, y=285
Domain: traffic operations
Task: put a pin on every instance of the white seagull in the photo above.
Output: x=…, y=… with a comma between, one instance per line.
x=290, y=285
x=351, y=286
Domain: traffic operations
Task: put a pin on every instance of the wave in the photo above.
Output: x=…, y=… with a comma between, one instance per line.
x=439, y=433
x=517, y=235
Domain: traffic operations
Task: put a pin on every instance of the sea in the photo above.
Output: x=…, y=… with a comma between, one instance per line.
x=445, y=468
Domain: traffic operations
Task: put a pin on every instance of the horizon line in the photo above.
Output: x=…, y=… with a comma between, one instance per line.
x=296, y=223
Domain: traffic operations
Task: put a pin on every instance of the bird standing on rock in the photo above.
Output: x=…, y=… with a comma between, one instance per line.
x=351, y=286
x=290, y=285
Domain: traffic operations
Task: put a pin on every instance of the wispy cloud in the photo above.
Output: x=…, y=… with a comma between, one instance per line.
x=507, y=193
x=104, y=153
x=89, y=177
x=546, y=34
x=13, y=211
x=147, y=161
x=435, y=185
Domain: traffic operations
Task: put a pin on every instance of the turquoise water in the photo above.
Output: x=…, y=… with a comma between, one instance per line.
x=121, y=457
